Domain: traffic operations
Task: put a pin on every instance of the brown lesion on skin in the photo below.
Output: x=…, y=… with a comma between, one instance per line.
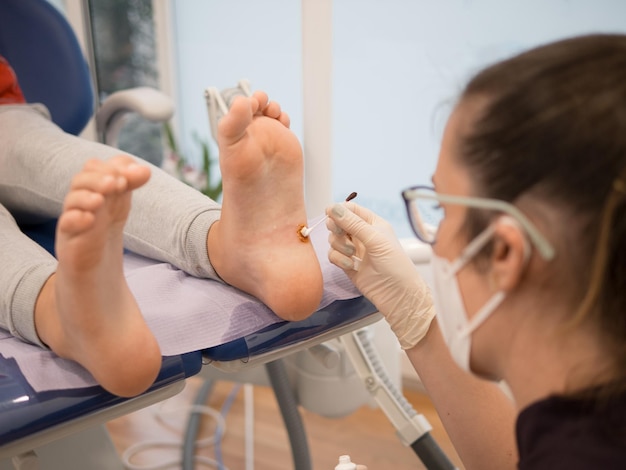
x=302, y=238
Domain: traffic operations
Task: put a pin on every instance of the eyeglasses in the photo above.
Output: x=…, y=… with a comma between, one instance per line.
x=423, y=206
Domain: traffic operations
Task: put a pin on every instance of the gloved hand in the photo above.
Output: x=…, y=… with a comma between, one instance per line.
x=384, y=274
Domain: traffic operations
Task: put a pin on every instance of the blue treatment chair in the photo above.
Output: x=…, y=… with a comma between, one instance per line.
x=64, y=429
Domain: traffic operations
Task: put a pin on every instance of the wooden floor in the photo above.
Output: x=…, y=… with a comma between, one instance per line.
x=366, y=435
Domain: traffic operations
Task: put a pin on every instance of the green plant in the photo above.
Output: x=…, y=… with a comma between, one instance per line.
x=180, y=167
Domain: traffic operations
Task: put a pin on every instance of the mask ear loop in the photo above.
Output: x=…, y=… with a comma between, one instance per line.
x=493, y=303
x=472, y=249
x=483, y=237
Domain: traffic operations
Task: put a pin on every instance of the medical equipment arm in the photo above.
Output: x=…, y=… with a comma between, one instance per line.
x=366, y=248
x=412, y=428
x=149, y=103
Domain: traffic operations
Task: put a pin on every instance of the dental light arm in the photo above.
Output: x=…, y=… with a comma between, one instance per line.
x=412, y=428
x=149, y=103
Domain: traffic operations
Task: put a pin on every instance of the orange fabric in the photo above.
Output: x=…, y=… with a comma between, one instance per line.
x=10, y=91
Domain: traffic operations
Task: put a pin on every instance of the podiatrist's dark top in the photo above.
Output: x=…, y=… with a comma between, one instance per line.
x=573, y=433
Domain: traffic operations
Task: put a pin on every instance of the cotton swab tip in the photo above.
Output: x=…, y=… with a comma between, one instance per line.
x=306, y=231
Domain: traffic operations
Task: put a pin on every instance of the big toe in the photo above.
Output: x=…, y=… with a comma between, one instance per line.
x=233, y=126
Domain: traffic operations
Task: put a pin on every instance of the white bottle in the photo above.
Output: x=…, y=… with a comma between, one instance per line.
x=345, y=463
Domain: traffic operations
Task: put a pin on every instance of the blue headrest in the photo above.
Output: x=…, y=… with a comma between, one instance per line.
x=41, y=47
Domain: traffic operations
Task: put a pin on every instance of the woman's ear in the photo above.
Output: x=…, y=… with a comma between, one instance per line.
x=511, y=253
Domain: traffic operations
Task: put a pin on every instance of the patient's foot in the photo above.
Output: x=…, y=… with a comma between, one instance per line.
x=255, y=246
x=96, y=320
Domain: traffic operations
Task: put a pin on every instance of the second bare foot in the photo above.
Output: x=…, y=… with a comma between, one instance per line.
x=255, y=245
x=95, y=320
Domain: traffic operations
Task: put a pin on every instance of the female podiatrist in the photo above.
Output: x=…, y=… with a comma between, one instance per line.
x=527, y=220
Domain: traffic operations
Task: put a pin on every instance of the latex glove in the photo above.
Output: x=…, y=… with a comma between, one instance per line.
x=385, y=274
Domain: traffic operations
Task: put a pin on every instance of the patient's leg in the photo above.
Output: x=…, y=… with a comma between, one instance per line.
x=86, y=311
x=255, y=245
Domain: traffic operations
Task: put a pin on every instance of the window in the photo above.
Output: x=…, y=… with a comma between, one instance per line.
x=125, y=56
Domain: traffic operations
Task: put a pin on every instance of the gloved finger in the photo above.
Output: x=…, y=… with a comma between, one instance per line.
x=363, y=212
x=361, y=467
x=340, y=260
x=342, y=244
x=333, y=227
x=351, y=223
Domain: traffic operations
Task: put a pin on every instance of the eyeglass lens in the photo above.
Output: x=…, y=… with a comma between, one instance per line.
x=425, y=214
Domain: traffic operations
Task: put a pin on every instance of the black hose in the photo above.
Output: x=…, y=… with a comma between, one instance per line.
x=291, y=415
x=193, y=426
x=431, y=454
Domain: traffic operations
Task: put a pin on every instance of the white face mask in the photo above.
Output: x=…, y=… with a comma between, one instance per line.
x=456, y=328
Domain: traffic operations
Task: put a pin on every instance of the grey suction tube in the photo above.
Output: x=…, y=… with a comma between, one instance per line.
x=291, y=415
x=193, y=426
x=431, y=454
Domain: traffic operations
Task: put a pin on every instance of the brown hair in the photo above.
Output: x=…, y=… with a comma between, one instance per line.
x=553, y=127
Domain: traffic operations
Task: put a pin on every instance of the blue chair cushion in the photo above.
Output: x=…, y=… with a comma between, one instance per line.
x=43, y=50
